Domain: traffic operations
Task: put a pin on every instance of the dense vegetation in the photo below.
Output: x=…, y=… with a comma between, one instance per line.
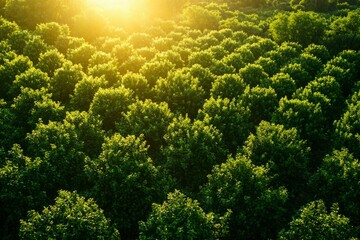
x=192, y=120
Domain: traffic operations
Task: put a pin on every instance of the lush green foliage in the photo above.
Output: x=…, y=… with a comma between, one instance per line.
x=180, y=217
x=244, y=113
x=71, y=217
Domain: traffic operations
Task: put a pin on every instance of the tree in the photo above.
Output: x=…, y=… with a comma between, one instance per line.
x=132, y=64
x=137, y=83
x=285, y=53
x=228, y=86
x=8, y=72
x=320, y=51
x=325, y=91
x=311, y=64
x=34, y=48
x=71, y=217
x=347, y=129
x=139, y=40
x=190, y=150
x=18, y=40
x=198, y=17
x=109, y=70
x=50, y=61
x=204, y=75
x=171, y=56
x=344, y=32
x=65, y=80
x=154, y=70
x=298, y=73
x=84, y=92
x=33, y=78
x=308, y=5
x=244, y=189
x=181, y=92
x=148, y=119
x=9, y=133
x=284, y=153
x=283, y=84
x=269, y=65
x=7, y=28
x=232, y=119
x=24, y=185
x=110, y=104
x=58, y=145
x=88, y=130
x=316, y=222
x=51, y=31
x=207, y=41
x=302, y=27
x=345, y=72
x=34, y=105
x=307, y=118
x=235, y=60
x=126, y=182
x=122, y=52
x=29, y=13
x=337, y=180
x=262, y=102
x=253, y=75
x=203, y=58
x=81, y=55
x=246, y=54
x=180, y=217
x=100, y=57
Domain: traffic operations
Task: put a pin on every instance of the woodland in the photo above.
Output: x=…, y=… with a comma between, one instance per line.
x=180, y=119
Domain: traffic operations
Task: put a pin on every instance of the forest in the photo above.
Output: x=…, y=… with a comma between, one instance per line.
x=180, y=119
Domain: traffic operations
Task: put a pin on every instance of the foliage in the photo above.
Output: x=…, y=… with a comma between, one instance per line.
x=262, y=102
x=347, y=129
x=283, y=84
x=8, y=72
x=232, y=119
x=51, y=31
x=123, y=103
x=338, y=173
x=59, y=146
x=32, y=78
x=126, y=182
x=253, y=75
x=24, y=185
x=201, y=18
x=244, y=189
x=153, y=71
x=84, y=92
x=148, y=119
x=35, y=105
x=65, y=80
x=316, y=222
x=110, y=104
x=283, y=152
x=190, y=150
x=181, y=91
x=71, y=217
x=50, y=61
x=301, y=27
x=306, y=117
x=163, y=222
x=228, y=86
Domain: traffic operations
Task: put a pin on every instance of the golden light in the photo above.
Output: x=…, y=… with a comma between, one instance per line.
x=111, y=5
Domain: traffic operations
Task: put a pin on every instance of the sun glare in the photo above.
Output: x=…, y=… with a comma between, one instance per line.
x=124, y=5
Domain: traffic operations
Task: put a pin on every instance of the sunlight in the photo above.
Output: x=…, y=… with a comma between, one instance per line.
x=123, y=5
